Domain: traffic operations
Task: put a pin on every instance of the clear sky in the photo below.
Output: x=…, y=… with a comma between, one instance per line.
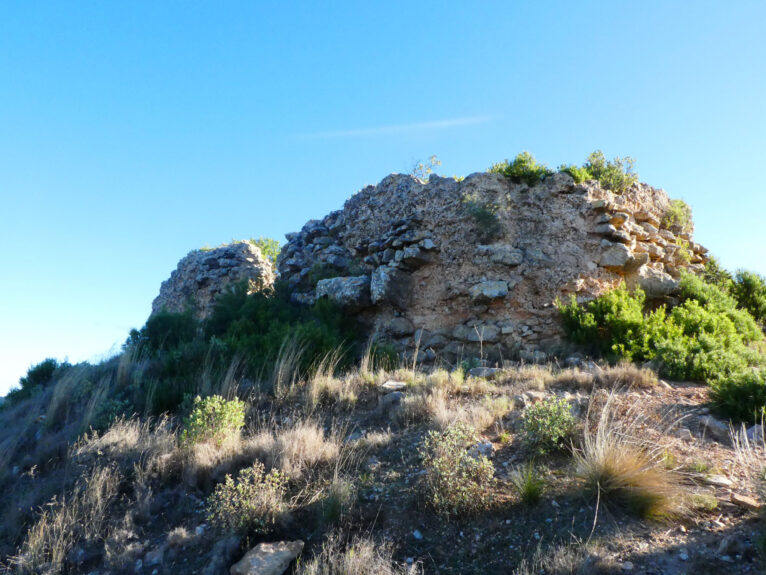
x=133, y=132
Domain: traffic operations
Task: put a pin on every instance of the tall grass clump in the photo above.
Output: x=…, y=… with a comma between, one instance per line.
x=65, y=522
x=618, y=466
x=362, y=556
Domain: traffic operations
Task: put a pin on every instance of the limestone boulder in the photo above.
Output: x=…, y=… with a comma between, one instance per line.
x=348, y=292
x=268, y=558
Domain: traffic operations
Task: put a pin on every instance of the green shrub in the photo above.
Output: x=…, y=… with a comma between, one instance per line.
x=741, y=396
x=524, y=168
x=749, y=289
x=251, y=503
x=38, y=376
x=679, y=214
x=706, y=337
x=578, y=173
x=255, y=326
x=529, y=484
x=213, y=419
x=166, y=330
x=270, y=248
x=458, y=482
x=485, y=218
x=548, y=425
x=716, y=275
x=616, y=175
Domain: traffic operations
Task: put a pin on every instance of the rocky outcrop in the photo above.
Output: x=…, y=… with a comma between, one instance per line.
x=459, y=268
x=204, y=274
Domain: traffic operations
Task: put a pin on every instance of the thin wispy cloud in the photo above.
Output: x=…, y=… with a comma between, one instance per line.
x=398, y=128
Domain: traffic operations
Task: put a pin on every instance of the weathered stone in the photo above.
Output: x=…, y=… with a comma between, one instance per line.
x=655, y=283
x=486, y=333
x=719, y=481
x=715, y=428
x=487, y=291
x=615, y=257
x=400, y=326
x=392, y=385
x=619, y=218
x=204, y=274
x=484, y=372
x=745, y=501
x=501, y=254
x=349, y=292
x=390, y=285
x=268, y=558
x=541, y=235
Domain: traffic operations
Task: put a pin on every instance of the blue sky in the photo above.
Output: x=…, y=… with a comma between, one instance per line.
x=133, y=132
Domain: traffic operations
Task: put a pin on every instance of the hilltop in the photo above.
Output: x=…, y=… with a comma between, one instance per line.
x=521, y=371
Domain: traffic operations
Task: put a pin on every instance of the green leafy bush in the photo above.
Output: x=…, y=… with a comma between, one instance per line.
x=548, y=425
x=616, y=175
x=37, y=377
x=269, y=247
x=255, y=326
x=485, y=218
x=524, y=168
x=706, y=337
x=749, y=289
x=251, y=503
x=716, y=275
x=678, y=214
x=166, y=330
x=742, y=396
x=458, y=482
x=213, y=419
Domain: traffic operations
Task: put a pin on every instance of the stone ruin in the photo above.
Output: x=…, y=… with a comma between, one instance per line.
x=473, y=268
x=204, y=274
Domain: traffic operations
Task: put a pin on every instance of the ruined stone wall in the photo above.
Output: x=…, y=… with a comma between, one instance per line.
x=204, y=274
x=420, y=262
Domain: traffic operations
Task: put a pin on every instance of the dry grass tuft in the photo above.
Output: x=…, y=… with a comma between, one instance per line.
x=82, y=516
x=361, y=557
x=575, y=559
x=626, y=375
x=621, y=468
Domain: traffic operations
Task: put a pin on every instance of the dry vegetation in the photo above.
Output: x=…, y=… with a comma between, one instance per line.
x=356, y=471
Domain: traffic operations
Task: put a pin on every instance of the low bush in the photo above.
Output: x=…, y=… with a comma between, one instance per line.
x=616, y=175
x=548, y=425
x=749, y=289
x=524, y=168
x=269, y=247
x=706, y=337
x=250, y=504
x=458, y=482
x=37, y=377
x=213, y=419
x=678, y=214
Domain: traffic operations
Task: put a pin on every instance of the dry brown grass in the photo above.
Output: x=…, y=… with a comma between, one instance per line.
x=128, y=441
x=574, y=559
x=626, y=375
x=361, y=557
x=63, y=523
x=621, y=467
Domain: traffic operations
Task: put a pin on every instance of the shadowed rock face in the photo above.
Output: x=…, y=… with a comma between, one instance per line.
x=476, y=266
x=204, y=274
